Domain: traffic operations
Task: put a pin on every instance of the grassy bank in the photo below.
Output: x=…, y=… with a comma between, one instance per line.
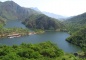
x=4, y=32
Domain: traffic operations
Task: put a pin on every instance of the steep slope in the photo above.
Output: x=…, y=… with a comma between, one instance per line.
x=75, y=23
x=77, y=27
x=12, y=11
x=42, y=21
x=78, y=18
x=78, y=38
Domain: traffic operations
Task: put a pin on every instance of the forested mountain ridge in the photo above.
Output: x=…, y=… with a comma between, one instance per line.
x=42, y=21
x=77, y=27
x=78, y=18
x=12, y=11
x=75, y=23
x=78, y=38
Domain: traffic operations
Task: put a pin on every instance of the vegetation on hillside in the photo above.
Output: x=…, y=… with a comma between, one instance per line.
x=12, y=11
x=75, y=23
x=42, y=21
x=41, y=51
x=4, y=32
x=77, y=28
x=79, y=38
x=2, y=20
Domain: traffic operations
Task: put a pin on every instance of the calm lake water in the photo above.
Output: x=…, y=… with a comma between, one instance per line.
x=56, y=37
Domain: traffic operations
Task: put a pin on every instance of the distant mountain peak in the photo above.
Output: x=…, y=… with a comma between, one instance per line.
x=35, y=8
x=10, y=2
x=7, y=1
x=56, y=16
x=12, y=11
x=52, y=15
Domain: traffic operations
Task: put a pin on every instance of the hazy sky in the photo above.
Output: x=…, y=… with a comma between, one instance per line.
x=61, y=7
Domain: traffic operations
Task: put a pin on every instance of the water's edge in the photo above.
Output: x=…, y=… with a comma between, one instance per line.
x=56, y=37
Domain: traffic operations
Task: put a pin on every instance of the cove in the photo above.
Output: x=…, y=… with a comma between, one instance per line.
x=56, y=37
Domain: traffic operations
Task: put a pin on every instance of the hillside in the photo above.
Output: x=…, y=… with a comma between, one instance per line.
x=78, y=18
x=77, y=27
x=42, y=21
x=41, y=51
x=2, y=20
x=75, y=23
x=12, y=11
x=78, y=38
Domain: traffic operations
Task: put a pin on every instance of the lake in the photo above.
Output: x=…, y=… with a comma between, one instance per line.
x=57, y=38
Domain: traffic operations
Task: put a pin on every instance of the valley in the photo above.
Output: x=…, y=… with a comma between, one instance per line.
x=28, y=33
x=57, y=37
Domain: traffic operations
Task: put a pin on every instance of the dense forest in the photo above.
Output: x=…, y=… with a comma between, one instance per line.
x=77, y=27
x=41, y=51
x=44, y=22
x=78, y=38
x=73, y=24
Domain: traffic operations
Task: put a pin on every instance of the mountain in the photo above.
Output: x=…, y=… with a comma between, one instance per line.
x=12, y=11
x=77, y=27
x=78, y=38
x=76, y=22
x=52, y=15
x=56, y=16
x=36, y=9
x=78, y=19
x=42, y=21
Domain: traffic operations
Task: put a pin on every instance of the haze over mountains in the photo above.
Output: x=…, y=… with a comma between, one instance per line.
x=32, y=18
x=78, y=18
x=56, y=16
x=12, y=11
